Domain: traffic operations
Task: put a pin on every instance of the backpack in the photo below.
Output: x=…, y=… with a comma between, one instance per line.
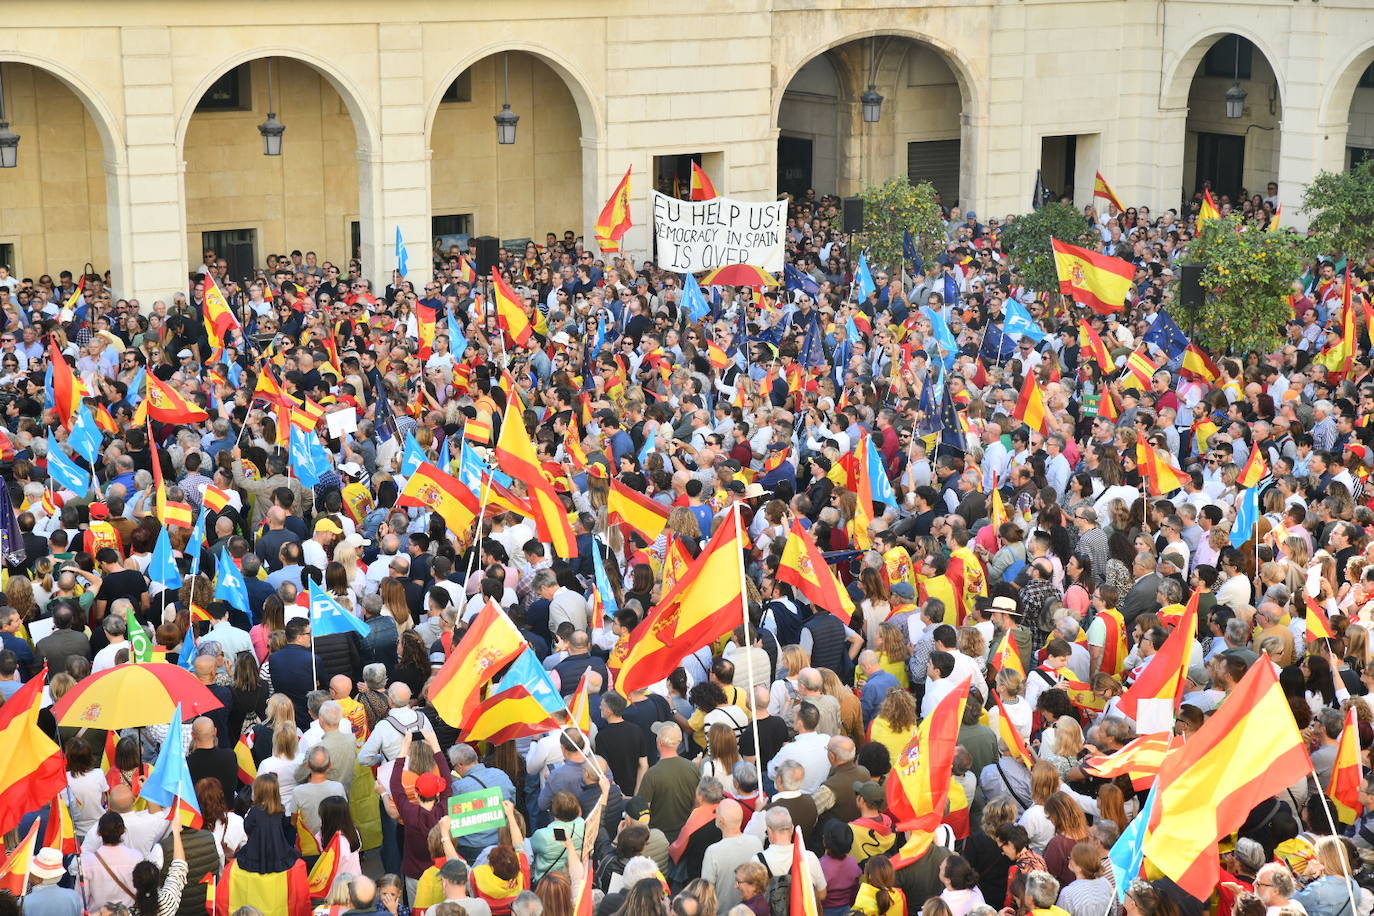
x=779, y=890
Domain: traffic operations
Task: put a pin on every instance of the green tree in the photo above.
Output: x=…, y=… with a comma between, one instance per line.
x=1341, y=205
x=1246, y=276
x=1026, y=240
x=893, y=208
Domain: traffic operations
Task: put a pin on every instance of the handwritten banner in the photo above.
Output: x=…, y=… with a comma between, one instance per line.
x=694, y=236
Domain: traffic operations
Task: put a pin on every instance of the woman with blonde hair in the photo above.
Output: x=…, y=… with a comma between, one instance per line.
x=722, y=753
x=973, y=644
x=394, y=602
x=346, y=555
x=782, y=696
x=893, y=652
x=286, y=757
x=1068, y=741
x=1011, y=686
x=893, y=726
x=851, y=710
x=19, y=595
x=1108, y=689
x=1044, y=782
x=1331, y=891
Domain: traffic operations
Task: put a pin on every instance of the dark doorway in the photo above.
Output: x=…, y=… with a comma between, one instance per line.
x=794, y=165
x=1220, y=161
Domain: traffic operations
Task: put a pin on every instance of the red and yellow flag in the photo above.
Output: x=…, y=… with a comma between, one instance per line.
x=580, y=709
x=1249, y=749
x=918, y=795
x=214, y=498
x=1255, y=469
x=705, y=602
x=1103, y=190
x=716, y=355
x=31, y=764
x=510, y=312
x=1099, y=281
x=632, y=508
x=1030, y=406
x=178, y=515
x=491, y=641
x=1139, y=371
x=1197, y=365
x=219, y=318
x=1010, y=736
x=804, y=568
x=1160, y=474
x=1091, y=342
x=166, y=404
x=1209, y=209
x=1106, y=406
x=1339, y=357
x=66, y=387
x=1139, y=759
x=60, y=834
x=280, y=893
x=614, y=220
x=701, y=188
x=1346, y=775
x=441, y=492
x=14, y=871
x=516, y=456
x=1318, y=626
x=1008, y=655
x=327, y=866
x=1167, y=669
x=425, y=318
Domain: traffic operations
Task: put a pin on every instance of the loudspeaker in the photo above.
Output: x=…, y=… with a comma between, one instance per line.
x=485, y=248
x=853, y=214
x=1190, y=292
x=239, y=257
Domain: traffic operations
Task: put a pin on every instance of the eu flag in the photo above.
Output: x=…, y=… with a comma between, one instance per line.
x=795, y=279
x=1165, y=334
x=951, y=291
x=812, y=351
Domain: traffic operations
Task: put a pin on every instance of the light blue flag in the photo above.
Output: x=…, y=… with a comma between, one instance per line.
x=197, y=536
x=49, y=398
x=85, y=437
x=457, y=343
x=444, y=459
x=528, y=673
x=303, y=456
x=328, y=616
x=851, y=332
x=1128, y=852
x=648, y=448
x=603, y=583
x=402, y=256
x=471, y=470
x=137, y=385
x=943, y=335
x=231, y=587
x=66, y=471
x=864, y=278
x=877, y=477
x=162, y=566
x=1019, y=322
x=186, y=658
x=1247, y=516
x=170, y=779
x=693, y=299
x=413, y=457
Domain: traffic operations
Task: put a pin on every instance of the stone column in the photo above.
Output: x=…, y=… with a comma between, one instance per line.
x=394, y=180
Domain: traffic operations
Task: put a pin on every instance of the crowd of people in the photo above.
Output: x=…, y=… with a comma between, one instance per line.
x=690, y=794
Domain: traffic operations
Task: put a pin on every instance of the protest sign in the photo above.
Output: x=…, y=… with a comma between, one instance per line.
x=694, y=236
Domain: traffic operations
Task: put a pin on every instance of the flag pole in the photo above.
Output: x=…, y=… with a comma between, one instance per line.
x=1335, y=832
x=477, y=534
x=748, y=643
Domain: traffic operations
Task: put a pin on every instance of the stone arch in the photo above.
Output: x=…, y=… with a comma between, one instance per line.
x=1178, y=82
x=1340, y=90
x=104, y=119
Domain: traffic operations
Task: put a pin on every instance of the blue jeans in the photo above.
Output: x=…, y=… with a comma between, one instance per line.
x=391, y=843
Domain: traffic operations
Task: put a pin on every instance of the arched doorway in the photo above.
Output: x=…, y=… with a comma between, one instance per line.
x=62, y=200
x=1355, y=83
x=244, y=204
x=1232, y=135
x=828, y=142
x=519, y=190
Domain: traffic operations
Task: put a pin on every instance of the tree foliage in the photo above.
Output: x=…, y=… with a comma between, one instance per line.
x=1026, y=240
x=893, y=208
x=1246, y=276
x=1341, y=205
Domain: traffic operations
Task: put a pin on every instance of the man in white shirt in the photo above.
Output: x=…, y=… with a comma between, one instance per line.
x=940, y=680
x=385, y=742
x=143, y=830
x=777, y=856
x=115, y=629
x=996, y=458
x=564, y=603
x=809, y=750
x=230, y=638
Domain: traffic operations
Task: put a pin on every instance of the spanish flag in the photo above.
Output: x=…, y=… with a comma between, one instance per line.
x=327, y=866
x=1030, y=406
x=1139, y=371
x=1098, y=281
x=219, y=318
x=214, y=498
x=580, y=709
x=1106, y=406
x=637, y=511
x=31, y=765
x=1249, y=749
x=1006, y=731
x=1103, y=190
x=282, y=893
x=1208, y=210
x=1197, y=365
x=439, y=491
x=1159, y=473
x=1318, y=626
x=490, y=643
x=1276, y=218
x=466, y=273
x=1091, y=342
x=510, y=312
x=919, y=794
x=1008, y=655
x=166, y=404
x=614, y=220
x=705, y=602
x=804, y=568
x=243, y=755
x=268, y=388
x=66, y=388
x=425, y=317
x=103, y=421
x=702, y=189
x=1167, y=669
x=60, y=833
x=14, y=871
x=1255, y=469
x=1140, y=759
x=717, y=356
x=1346, y=775
x=516, y=456
x=1339, y=357
x=178, y=515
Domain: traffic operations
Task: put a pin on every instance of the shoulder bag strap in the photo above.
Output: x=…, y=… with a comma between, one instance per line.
x=113, y=877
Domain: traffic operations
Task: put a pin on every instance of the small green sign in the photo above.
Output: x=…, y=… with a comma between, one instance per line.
x=475, y=812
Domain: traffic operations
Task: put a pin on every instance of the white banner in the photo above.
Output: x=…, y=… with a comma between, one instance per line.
x=697, y=235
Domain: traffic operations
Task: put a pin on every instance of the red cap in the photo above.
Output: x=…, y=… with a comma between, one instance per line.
x=429, y=785
x=100, y=510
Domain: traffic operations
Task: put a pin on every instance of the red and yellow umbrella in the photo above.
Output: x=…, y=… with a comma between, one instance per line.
x=134, y=695
x=739, y=275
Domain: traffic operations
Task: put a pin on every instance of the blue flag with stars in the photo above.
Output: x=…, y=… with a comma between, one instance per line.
x=794, y=279
x=951, y=290
x=910, y=254
x=1166, y=334
x=813, y=351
